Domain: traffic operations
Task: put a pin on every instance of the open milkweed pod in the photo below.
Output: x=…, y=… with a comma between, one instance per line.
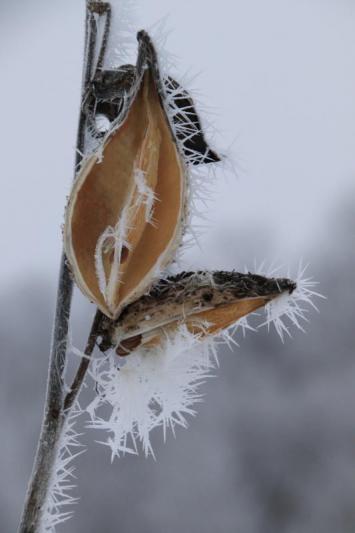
x=126, y=211
x=206, y=302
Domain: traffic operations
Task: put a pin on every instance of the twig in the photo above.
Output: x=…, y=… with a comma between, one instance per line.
x=84, y=364
x=53, y=413
x=103, y=8
x=53, y=420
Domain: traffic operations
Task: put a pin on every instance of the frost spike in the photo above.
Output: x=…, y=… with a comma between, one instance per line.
x=185, y=121
x=188, y=126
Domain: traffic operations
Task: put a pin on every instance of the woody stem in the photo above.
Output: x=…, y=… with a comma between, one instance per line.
x=54, y=417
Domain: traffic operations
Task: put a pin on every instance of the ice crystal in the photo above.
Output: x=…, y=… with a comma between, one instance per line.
x=62, y=481
x=291, y=308
x=156, y=387
x=145, y=195
x=112, y=240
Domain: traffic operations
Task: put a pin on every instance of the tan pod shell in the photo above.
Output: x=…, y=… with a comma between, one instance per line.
x=205, y=323
x=114, y=247
x=207, y=303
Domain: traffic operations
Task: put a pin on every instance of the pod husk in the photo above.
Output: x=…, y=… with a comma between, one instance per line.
x=114, y=247
x=206, y=302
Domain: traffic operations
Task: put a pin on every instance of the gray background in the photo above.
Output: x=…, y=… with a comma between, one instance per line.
x=273, y=446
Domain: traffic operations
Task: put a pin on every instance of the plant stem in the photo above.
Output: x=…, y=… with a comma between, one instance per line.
x=53, y=418
x=53, y=412
x=105, y=9
x=84, y=364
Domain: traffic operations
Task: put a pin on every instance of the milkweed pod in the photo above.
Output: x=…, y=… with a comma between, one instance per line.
x=185, y=122
x=205, y=302
x=126, y=210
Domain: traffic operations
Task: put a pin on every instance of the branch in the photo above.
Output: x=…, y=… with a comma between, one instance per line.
x=85, y=361
x=53, y=413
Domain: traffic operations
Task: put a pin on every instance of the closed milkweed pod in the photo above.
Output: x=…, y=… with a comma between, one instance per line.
x=207, y=303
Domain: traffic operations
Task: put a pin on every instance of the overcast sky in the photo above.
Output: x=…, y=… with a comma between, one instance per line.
x=279, y=77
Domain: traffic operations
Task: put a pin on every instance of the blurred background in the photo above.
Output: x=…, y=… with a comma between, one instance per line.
x=273, y=446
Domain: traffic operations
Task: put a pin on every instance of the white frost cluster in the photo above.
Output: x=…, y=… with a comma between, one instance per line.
x=292, y=308
x=62, y=482
x=145, y=195
x=155, y=387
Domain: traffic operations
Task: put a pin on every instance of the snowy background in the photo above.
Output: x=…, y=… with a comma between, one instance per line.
x=273, y=447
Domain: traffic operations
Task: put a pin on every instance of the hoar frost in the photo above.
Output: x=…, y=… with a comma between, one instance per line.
x=154, y=387
x=62, y=481
x=292, y=307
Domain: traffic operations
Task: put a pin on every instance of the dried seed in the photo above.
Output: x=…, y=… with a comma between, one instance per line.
x=127, y=346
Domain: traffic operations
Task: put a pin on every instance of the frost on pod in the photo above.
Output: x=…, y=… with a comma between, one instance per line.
x=126, y=216
x=207, y=303
x=167, y=343
x=126, y=211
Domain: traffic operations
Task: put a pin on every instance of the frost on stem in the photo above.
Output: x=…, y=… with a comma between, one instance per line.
x=62, y=481
x=154, y=387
